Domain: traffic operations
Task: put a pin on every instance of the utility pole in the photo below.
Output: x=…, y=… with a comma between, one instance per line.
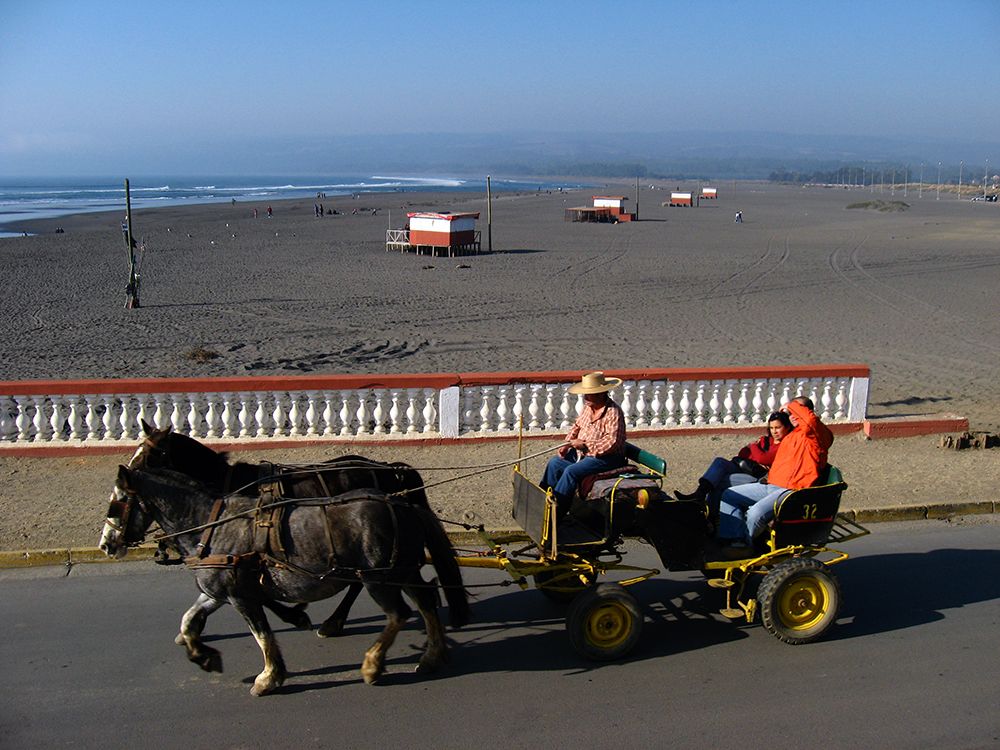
x=637, y=198
x=489, y=216
x=132, y=288
x=961, y=166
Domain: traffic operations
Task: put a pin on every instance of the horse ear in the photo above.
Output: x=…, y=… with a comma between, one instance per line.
x=123, y=475
x=147, y=429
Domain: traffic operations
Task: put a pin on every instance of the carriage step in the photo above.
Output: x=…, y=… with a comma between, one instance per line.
x=732, y=613
x=721, y=583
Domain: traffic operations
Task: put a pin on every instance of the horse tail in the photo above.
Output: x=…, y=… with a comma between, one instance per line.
x=446, y=566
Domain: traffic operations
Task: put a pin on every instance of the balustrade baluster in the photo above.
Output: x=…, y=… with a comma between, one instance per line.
x=211, y=416
x=243, y=415
x=484, y=409
x=125, y=421
x=626, y=403
x=533, y=407
x=743, y=403
x=411, y=410
x=641, y=419
x=394, y=428
x=312, y=414
x=260, y=415
x=564, y=408
x=685, y=404
x=502, y=425
x=294, y=415
x=713, y=403
x=378, y=414
x=517, y=410
x=468, y=410
x=21, y=421
x=670, y=406
x=39, y=423
x=727, y=404
x=699, y=404
x=430, y=413
x=176, y=416
x=550, y=408
x=278, y=416
x=108, y=421
x=345, y=413
x=772, y=403
x=327, y=413
x=75, y=419
x=91, y=419
x=364, y=428
x=826, y=399
x=656, y=419
x=228, y=415
x=194, y=415
x=841, y=399
x=758, y=401
x=8, y=412
x=57, y=419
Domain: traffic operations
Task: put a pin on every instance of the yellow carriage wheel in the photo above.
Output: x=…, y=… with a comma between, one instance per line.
x=604, y=623
x=799, y=600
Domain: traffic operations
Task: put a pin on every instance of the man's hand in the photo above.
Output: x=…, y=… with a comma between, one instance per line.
x=579, y=445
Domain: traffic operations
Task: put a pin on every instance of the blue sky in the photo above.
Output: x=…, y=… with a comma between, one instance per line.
x=83, y=83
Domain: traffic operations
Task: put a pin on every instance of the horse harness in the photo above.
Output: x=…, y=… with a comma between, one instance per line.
x=268, y=523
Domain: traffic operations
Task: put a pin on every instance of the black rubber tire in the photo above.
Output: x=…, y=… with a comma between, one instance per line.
x=568, y=587
x=604, y=623
x=798, y=600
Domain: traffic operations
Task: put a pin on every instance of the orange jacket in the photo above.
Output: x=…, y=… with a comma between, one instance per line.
x=802, y=453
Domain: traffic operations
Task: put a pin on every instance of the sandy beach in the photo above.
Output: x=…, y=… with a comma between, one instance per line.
x=803, y=280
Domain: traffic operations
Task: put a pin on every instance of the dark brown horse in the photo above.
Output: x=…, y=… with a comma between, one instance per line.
x=173, y=450
x=325, y=544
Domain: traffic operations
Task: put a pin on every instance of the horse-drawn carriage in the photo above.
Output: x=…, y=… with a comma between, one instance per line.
x=798, y=596
x=257, y=535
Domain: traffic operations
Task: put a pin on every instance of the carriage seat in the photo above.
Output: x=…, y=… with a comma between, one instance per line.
x=806, y=517
x=643, y=473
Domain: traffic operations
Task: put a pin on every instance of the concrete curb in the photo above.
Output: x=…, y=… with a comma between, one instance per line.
x=77, y=555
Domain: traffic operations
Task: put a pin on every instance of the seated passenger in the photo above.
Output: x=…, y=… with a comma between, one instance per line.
x=751, y=463
x=746, y=509
x=595, y=442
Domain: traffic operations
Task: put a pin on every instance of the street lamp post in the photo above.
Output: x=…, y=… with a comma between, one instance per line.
x=906, y=179
x=961, y=166
x=939, y=183
x=920, y=190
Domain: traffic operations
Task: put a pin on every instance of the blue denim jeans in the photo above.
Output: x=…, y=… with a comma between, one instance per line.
x=722, y=475
x=746, y=509
x=563, y=475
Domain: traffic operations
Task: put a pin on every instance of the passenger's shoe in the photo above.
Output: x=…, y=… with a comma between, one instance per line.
x=729, y=549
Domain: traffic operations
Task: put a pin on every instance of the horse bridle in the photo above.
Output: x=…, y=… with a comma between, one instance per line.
x=125, y=507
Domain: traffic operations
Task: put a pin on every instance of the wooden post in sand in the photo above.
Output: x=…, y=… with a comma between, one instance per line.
x=637, y=198
x=132, y=288
x=489, y=216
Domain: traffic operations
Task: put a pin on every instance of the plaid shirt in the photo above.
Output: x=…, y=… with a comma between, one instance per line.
x=603, y=430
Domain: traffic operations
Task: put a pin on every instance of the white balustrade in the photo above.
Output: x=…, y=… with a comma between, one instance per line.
x=414, y=412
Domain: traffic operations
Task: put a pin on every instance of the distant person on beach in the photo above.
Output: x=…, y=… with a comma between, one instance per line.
x=745, y=510
x=315, y=209
x=269, y=212
x=321, y=210
x=595, y=442
x=255, y=213
x=739, y=217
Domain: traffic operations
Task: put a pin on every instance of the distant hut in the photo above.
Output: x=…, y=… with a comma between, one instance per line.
x=437, y=233
x=678, y=198
x=606, y=208
x=709, y=193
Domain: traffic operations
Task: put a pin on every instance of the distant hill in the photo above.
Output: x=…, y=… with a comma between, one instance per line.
x=665, y=154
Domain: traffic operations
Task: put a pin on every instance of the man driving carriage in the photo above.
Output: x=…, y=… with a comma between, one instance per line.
x=595, y=442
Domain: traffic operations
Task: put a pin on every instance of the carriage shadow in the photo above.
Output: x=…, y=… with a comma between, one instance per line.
x=884, y=593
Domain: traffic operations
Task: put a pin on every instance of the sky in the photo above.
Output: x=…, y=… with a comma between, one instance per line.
x=92, y=85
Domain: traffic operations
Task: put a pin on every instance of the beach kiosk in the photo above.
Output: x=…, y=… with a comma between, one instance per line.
x=606, y=208
x=437, y=233
x=708, y=193
x=678, y=198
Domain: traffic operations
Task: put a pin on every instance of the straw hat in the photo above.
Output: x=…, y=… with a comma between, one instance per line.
x=595, y=382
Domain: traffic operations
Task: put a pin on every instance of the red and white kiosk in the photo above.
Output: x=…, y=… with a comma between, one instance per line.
x=437, y=233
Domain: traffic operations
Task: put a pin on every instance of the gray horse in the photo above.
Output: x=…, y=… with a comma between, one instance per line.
x=325, y=544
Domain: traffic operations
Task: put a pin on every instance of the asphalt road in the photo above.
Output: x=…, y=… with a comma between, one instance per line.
x=89, y=661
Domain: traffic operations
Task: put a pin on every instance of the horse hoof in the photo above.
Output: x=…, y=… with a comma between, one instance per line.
x=264, y=685
x=300, y=618
x=370, y=678
x=331, y=629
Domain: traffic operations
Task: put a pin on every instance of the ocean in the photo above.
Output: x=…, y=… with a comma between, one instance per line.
x=25, y=199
